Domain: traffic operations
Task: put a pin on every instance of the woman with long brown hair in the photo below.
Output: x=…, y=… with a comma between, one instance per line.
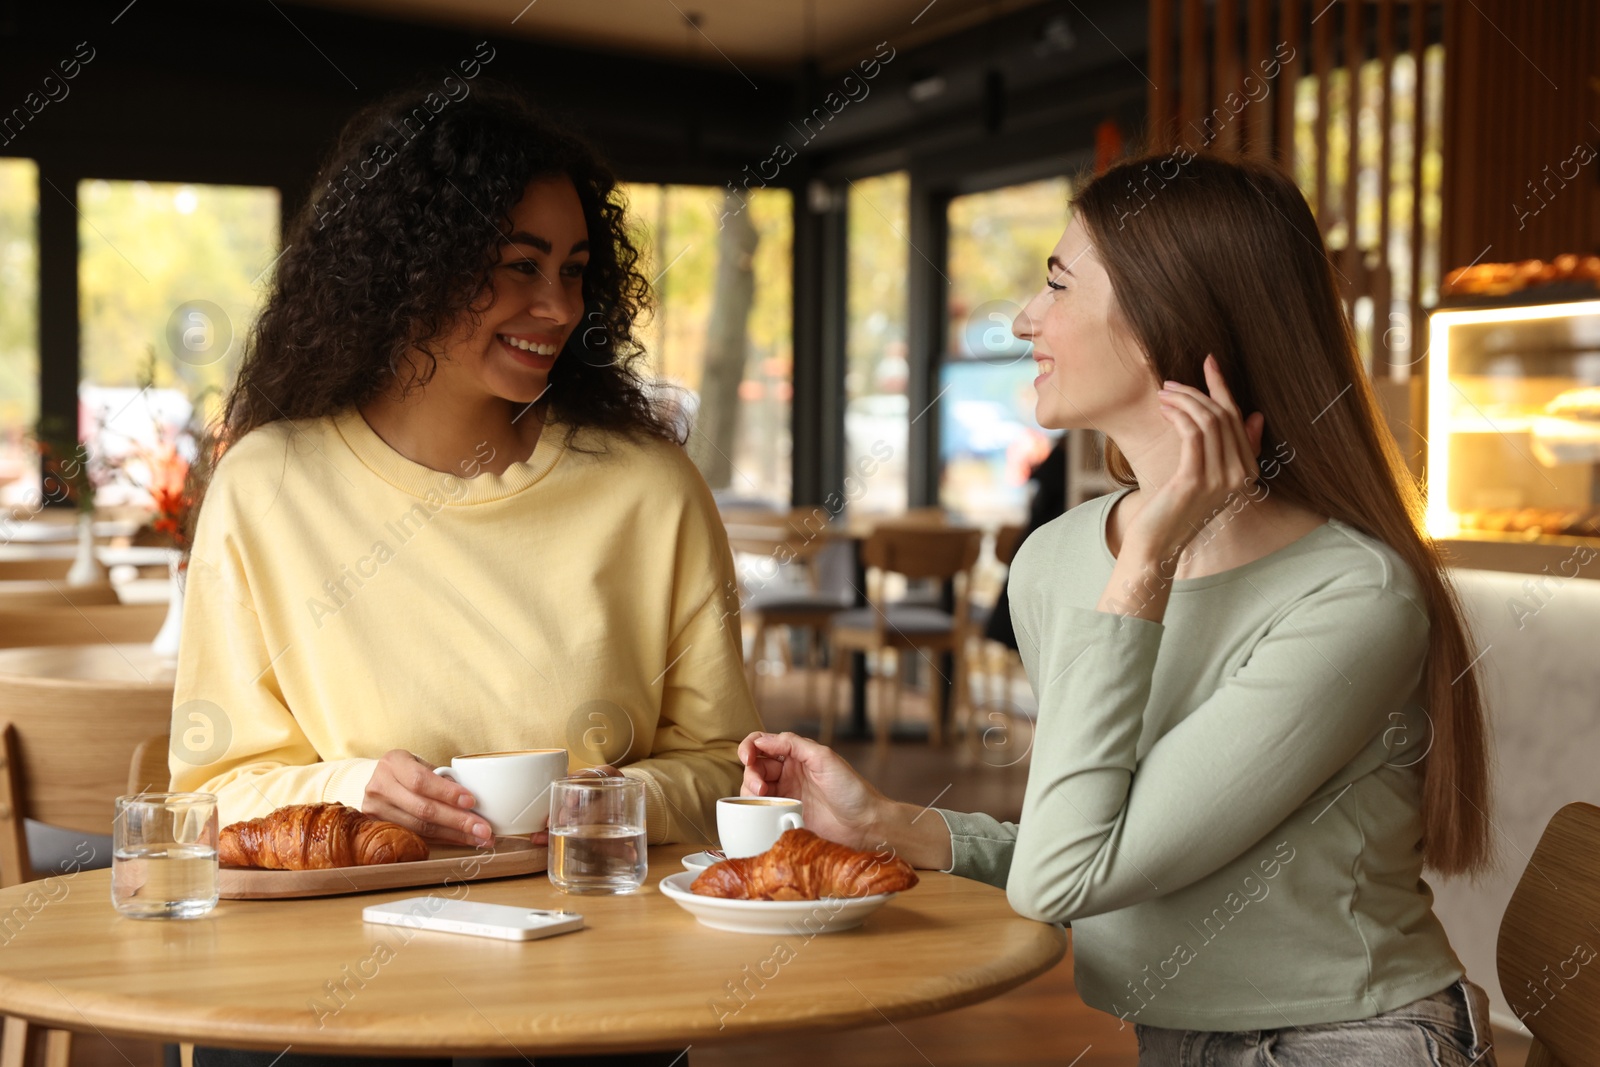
x=1258, y=718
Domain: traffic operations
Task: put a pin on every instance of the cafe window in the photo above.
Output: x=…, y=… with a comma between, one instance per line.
x=170, y=279
x=720, y=340
x=989, y=440
x=19, y=328
x=877, y=367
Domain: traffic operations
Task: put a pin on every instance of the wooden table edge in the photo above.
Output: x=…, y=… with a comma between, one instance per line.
x=23, y=1000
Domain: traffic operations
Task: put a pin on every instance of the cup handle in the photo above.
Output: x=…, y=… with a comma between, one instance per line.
x=447, y=772
x=790, y=821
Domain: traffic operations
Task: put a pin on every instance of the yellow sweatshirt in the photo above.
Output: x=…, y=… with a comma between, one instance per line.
x=343, y=601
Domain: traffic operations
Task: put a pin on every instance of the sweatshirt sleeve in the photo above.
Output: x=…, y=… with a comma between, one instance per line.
x=706, y=708
x=232, y=733
x=1102, y=830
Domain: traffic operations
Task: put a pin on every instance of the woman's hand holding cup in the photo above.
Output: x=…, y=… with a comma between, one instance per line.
x=838, y=803
x=409, y=791
x=405, y=790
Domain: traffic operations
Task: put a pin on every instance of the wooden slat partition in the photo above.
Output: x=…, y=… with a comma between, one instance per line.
x=1324, y=39
x=1193, y=102
x=1321, y=64
x=1225, y=68
x=1163, y=91
x=1288, y=78
x=1417, y=332
x=1258, y=117
x=1522, y=116
x=1354, y=53
x=1384, y=356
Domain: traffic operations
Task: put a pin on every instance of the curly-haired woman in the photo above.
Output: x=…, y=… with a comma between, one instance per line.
x=447, y=517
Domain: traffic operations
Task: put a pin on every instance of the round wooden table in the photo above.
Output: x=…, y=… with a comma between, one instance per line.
x=309, y=974
x=125, y=664
x=35, y=594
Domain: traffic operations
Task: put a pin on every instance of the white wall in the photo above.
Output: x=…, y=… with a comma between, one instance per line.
x=1541, y=676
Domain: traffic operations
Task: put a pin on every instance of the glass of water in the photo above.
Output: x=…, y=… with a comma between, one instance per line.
x=597, y=835
x=164, y=855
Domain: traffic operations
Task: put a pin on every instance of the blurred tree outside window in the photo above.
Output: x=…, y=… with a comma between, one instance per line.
x=720, y=340
x=877, y=365
x=170, y=279
x=19, y=330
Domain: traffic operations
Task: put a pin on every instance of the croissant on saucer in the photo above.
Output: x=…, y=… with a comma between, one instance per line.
x=803, y=866
x=316, y=837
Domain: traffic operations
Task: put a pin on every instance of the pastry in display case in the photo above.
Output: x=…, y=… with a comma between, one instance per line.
x=1514, y=423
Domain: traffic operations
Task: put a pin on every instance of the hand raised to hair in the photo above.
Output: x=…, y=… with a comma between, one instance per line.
x=1217, y=457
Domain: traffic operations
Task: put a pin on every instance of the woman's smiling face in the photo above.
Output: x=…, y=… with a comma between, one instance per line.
x=535, y=294
x=1090, y=368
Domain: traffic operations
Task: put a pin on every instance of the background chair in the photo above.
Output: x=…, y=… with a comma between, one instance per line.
x=794, y=540
x=1549, y=948
x=148, y=770
x=65, y=753
x=914, y=552
x=992, y=665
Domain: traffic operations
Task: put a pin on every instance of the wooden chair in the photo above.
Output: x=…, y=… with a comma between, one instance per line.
x=113, y=623
x=65, y=753
x=149, y=771
x=995, y=666
x=794, y=538
x=916, y=551
x=1549, y=971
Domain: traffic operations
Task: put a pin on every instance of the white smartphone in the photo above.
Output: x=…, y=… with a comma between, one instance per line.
x=504, y=921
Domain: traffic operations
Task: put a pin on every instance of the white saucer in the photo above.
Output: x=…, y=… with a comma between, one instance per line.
x=799, y=917
x=699, y=861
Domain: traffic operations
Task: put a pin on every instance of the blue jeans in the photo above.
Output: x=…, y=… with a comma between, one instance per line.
x=1448, y=1029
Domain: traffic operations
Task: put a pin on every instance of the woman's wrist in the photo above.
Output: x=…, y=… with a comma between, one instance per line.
x=915, y=834
x=1140, y=582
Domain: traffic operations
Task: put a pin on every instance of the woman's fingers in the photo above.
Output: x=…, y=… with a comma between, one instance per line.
x=440, y=824
x=1208, y=427
x=404, y=790
x=1217, y=386
x=1191, y=451
x=1253, y=428
x=1219, y=416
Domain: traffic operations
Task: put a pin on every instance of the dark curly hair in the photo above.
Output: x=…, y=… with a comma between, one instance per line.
x=398, y=241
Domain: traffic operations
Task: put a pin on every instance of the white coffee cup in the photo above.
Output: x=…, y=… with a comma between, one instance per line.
x=511, y=789
x=748, y=826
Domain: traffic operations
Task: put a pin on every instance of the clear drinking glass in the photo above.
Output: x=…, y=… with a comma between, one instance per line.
x=164, y=855
x=597, y=835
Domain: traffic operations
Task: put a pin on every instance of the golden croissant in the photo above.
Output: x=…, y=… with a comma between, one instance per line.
x=803, y=866
x=315, y=837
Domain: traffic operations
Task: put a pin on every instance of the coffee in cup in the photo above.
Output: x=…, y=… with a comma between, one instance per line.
x=510, y=789
x=748, y=826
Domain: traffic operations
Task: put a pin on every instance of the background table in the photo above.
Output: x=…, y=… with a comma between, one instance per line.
x=644, y=975
x=130, y=664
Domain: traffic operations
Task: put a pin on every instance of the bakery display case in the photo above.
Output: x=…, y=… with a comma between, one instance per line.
x=1513, y=475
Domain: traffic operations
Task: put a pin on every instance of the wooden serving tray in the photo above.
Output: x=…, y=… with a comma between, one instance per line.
x=445, y=864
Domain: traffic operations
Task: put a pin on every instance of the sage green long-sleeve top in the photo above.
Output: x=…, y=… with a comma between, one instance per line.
x=1224, y=805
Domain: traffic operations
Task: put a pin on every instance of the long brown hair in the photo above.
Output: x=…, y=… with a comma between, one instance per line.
x=1212, y=255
